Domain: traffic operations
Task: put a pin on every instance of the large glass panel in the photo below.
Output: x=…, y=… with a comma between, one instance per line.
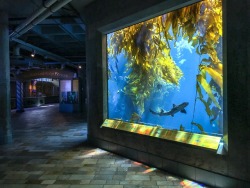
x=167, y=71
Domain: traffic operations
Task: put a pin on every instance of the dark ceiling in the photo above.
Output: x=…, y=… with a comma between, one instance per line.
x=56, y=34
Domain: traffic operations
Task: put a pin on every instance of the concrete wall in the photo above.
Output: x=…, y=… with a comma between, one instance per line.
x=229, y=170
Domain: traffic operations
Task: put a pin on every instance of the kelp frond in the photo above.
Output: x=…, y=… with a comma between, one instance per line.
x=148, y=58
x=146, y=47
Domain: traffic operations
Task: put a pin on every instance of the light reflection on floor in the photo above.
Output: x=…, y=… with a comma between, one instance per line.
x=46, y=106
x=93, y=153
x=190, y=184
x=50, y=149
x=149, y=170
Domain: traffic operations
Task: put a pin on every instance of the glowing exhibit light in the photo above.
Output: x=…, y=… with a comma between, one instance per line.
x=65, y=85
x=201, y=140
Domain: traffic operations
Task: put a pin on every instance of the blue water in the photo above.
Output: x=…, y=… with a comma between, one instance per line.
x=120, y=105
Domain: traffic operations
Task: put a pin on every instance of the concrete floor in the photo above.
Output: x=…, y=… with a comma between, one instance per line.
x=50, y=150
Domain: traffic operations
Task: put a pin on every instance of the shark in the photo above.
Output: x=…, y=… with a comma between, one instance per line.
x=173, y=111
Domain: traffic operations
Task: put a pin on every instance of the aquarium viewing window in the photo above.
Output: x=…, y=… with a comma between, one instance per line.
x=165, y=78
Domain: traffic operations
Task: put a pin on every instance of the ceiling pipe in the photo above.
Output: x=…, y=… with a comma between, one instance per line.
x=49, y=7
x=16, y=51
x=30, y=47
x=45, y=6
x=55, y=7
x=74, y=63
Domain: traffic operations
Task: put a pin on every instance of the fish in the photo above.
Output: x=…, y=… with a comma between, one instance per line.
x=182, y=61
x=174, y=110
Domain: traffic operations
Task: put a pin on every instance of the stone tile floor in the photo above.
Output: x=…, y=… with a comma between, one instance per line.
x=50, y=150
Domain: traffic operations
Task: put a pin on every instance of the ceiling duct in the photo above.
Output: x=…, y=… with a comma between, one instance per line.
x=16, y=51
x=48, y=9
x=30, y=47
x=45, y=6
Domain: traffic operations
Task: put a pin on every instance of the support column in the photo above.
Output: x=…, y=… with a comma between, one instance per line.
x=19, y=96
x=5, y=121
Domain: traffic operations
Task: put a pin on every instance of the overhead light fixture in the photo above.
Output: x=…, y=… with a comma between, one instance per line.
x=79, y=66
x=33, y=53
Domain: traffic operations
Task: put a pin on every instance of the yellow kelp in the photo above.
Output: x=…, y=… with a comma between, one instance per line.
x=217, y=77
x=207, y=88
x=148, y=58
x=213, y=26
x=199, y=126
x=146, y=47
x=206, y=104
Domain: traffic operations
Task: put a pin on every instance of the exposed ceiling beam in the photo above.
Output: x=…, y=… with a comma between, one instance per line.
x=34, y=16
x=40, y=51
x=26, y=61
x=38, y=31
x=81, y=24
x=74, y=63
x=38, y=17
x=69, y=30
x=48, y=20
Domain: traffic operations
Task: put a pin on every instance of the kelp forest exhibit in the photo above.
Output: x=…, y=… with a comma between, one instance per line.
x=165, y=76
